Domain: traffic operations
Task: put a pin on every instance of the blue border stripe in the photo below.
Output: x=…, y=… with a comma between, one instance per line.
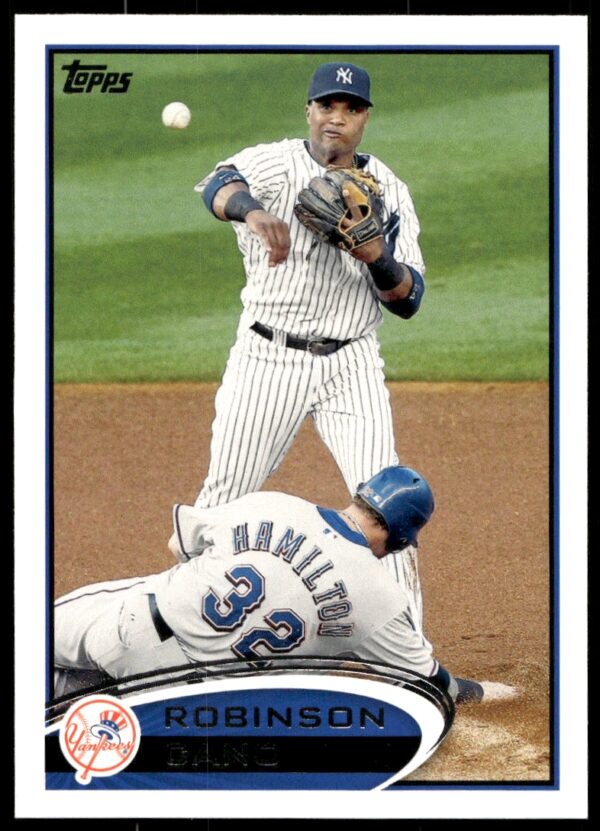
x=556, y=413
x=295, y=48
x=220, y=781
x=265, y=781
x=48, y=388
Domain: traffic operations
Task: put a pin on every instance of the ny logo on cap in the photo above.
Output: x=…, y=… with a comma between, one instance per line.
x=344, y=75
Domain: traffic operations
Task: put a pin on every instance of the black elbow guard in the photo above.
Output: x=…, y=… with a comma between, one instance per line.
x=224, y=176
x=409, y=305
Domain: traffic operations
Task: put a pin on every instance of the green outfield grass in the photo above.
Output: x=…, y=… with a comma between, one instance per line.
x=147, y=283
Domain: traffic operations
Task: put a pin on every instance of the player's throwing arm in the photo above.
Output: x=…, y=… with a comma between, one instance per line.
x=234, y=202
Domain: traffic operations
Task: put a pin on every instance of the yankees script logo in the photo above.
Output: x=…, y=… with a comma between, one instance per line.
x=99, y=736
x=344, y=75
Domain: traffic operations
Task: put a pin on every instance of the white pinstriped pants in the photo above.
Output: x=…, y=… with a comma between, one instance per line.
x=267, y=391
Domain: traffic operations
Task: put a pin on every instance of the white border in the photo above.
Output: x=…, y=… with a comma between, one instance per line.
x=32, y=33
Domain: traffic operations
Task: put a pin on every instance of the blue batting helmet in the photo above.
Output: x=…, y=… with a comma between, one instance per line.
x=403, y=499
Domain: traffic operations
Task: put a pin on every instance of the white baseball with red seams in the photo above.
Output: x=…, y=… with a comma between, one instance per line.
x=176, y=115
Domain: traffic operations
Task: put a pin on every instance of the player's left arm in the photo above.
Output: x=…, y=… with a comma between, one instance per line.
x=394, y=260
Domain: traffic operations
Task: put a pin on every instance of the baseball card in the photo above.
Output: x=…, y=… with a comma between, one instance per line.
x=300, y=396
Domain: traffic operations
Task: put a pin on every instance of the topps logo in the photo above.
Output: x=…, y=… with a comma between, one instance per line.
x=86, y=78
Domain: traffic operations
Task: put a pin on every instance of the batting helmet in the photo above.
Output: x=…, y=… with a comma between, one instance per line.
x=403, y=499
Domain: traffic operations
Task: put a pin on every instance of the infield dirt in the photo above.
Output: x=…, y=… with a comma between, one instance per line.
x=124, y=454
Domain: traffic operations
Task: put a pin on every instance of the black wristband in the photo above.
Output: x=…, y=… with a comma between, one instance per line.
x=386, y=272
x=239, y=205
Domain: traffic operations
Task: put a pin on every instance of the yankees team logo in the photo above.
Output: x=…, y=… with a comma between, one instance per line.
x=344, y=75
x=99, y=736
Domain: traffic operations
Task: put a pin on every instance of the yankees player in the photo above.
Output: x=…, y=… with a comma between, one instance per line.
x=265, y=574
x=306, y=342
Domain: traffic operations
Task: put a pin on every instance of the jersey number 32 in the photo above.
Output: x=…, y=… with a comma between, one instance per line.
x=284, y=630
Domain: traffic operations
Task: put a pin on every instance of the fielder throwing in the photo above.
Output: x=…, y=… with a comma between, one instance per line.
x=322, y=255
x=266, y=574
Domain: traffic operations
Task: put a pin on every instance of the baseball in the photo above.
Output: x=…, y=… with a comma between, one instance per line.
x=176, y=115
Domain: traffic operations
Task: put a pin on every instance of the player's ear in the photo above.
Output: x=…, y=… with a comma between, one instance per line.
x=307, y=112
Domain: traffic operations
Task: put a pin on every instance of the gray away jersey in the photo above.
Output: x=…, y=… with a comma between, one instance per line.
x=273, y=574
x=319, y=290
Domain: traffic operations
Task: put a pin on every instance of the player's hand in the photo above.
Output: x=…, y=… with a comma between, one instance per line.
x=370, y=251
x=273, y=233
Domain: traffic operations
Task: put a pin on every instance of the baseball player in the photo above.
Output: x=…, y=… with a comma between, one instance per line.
x=265, y=574
x=307, y=337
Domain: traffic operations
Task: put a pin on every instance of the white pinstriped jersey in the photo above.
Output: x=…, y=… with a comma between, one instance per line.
x=271, y=573
x=319, y=290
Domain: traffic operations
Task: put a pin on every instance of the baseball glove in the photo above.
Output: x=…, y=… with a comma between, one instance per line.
x=343, y=208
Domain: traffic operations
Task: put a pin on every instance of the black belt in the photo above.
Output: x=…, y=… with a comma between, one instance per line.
x=163, y=629
x=316, y=346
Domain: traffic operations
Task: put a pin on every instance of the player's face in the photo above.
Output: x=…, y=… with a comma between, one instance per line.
x=336, y=128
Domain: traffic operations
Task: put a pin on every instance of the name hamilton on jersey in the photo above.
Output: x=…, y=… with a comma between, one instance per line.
x=332, y=596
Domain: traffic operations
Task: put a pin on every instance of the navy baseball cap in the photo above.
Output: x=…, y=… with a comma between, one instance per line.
x=341, y=78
